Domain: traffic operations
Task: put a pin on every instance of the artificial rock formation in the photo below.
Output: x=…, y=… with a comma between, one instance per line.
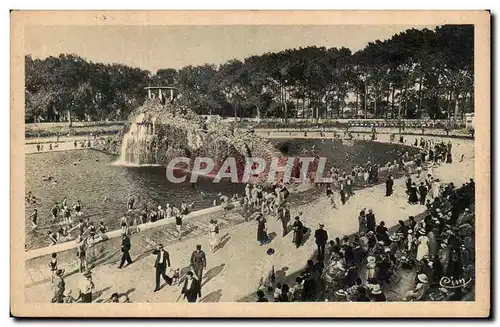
x=160, y=132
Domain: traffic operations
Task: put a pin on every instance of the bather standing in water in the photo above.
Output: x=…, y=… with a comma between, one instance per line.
x=168, y=211
x=34, y=218
x=124, y=225
x=55, y=211
x=130, y=202
x=78, y=208
x=412, y=194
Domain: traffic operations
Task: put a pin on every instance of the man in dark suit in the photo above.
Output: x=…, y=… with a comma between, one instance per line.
x=321, y=237
x=161, y=263
x=284, y=216
x=198, y=262
x=423, y=193
x=370, y=221
x=125, y=251
x=191, y=289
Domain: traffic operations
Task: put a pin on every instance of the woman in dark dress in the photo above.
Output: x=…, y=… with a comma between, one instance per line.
x=448, y=157
x=388, y=186
x=261, y=230
x=408, y=185
x=342, y=196
x=413, y=197
x=381, y=233
x=455, y=268
x=298, y=231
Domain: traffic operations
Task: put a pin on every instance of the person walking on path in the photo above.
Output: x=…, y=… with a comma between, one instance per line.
x=298, y=231
x=192, y=288
x=321, y=237
x=413, y=194
x=389, y=184
x=261, y=230
x=343, y=198
x=59, y=287
x=213, y=234
x=161, y=263
x=198, y=262
x=284, y=216
x=86, y=287
x=125, y=248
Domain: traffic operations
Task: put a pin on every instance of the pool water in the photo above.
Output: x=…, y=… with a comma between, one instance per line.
x=91, y=177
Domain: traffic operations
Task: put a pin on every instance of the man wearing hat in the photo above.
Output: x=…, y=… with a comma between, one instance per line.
x=321, y=237
x=161, y=263
x=86, y=287
x=420, y=289
x=377, y=294
x=59, y=287
x=67, y=297
x=125, y=248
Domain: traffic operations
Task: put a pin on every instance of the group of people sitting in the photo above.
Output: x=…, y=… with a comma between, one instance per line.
x=435, y=253
x=437, y=250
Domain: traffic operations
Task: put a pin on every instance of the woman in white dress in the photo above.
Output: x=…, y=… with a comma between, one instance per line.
x=365, y=176
x=423, y=247
x=213, y=235
x=435, y=188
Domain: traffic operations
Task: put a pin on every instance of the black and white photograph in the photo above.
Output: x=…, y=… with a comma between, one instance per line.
x=233, y=164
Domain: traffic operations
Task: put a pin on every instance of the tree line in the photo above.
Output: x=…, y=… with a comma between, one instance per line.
x=416, y=73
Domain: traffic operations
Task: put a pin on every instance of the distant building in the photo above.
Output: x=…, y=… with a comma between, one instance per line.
x=212, y=117
x=162, y=92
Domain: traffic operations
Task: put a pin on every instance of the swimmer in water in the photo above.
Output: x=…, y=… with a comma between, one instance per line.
x=55, y=211
x=34, y=218
x=78, y=208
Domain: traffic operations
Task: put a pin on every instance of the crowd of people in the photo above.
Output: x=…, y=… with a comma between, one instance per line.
x=341, y=124
x=437, y=252
x=437, y=249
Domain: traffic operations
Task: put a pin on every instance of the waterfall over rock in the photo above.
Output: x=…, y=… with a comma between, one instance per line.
x=160, y=132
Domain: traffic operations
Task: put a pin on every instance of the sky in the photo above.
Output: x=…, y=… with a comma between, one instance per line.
x=158, y=47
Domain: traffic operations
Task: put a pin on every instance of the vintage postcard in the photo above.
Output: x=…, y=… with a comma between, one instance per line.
x=250, y=164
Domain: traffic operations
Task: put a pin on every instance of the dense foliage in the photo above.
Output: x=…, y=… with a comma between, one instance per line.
x=415, y=73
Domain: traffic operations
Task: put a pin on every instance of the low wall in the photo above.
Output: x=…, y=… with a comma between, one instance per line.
x=61, y=247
